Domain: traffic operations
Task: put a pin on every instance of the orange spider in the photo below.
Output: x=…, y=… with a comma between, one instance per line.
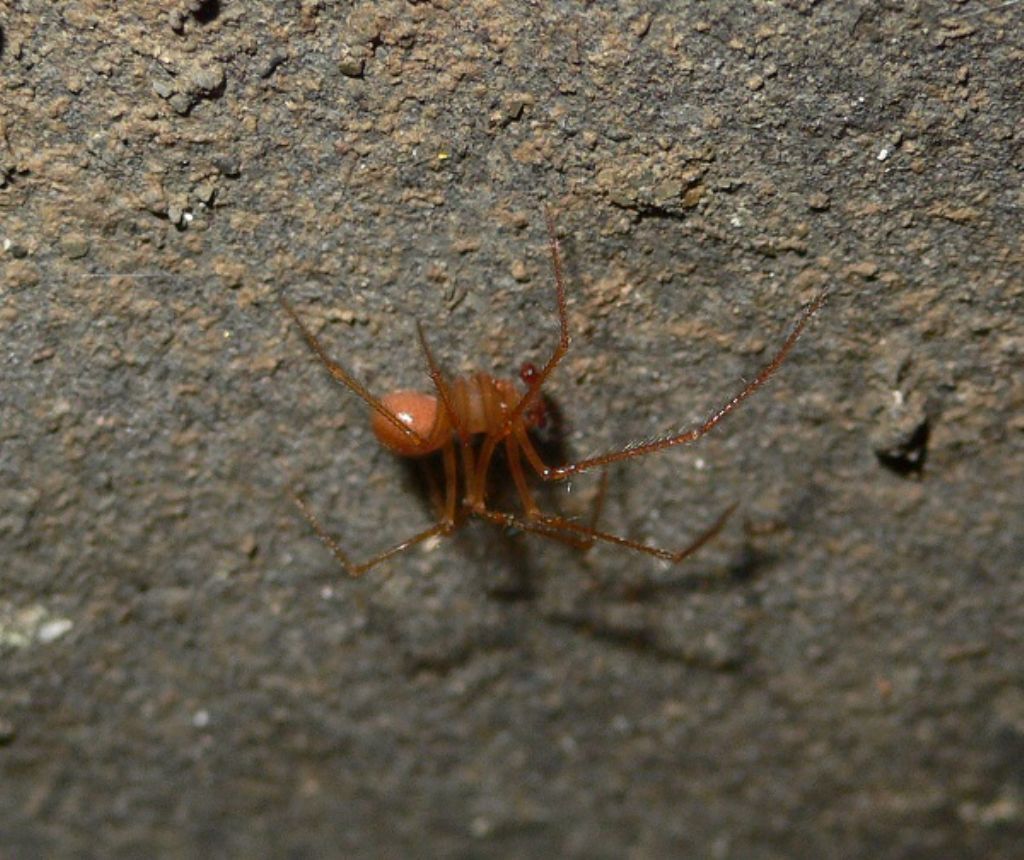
x=467, y=418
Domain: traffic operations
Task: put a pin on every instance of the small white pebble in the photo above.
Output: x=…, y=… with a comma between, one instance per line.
x=51, y=631
x=201, y=719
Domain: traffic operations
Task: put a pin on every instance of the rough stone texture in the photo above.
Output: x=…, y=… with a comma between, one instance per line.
x=185, y=671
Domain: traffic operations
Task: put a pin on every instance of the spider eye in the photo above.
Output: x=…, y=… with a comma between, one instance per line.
x=528, y=372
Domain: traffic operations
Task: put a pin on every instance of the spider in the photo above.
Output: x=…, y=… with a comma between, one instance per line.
x=468, y=418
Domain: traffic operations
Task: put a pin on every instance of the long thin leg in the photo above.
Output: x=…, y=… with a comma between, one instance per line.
x=451, y=485
x=448, y=518
x=515, y=415
x=515, y=467
x=592, y=533
x=444, y=505
x=440, y=385
x=582, y=544
x=595, y=514
x=444, y=392
x=530, y=508
x=530, y=523
x=351, y=568
x=522, y=440
x=556, y=527
x=433, y=489
x=344, y=377
x=638, y=449
x=539, y=378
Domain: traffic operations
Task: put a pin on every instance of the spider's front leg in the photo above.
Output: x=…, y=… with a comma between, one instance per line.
x=559, y=473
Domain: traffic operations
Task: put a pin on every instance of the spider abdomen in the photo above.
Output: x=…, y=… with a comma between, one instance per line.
x=479, y=405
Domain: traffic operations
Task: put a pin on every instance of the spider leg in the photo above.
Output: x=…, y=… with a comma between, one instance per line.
x=433, y=490
x=530, y=509
x=532, y=392
x=523, y=441
x=591, y=533
x=559, y=528
x=511, y=521
x=444, y=391
x=562, y=347
x=447, y=511
x=515, y=467
x=444, y=503
x=558, y=473
x=352, y=568
x=344, y=377
x=447, y=397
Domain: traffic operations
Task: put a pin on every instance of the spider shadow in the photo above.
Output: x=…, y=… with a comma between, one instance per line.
x=744, y=565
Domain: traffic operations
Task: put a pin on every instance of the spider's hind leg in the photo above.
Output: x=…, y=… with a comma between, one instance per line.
x=352, y=568
x=575, y=534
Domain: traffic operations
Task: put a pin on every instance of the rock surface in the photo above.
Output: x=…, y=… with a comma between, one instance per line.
x=185, y=671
